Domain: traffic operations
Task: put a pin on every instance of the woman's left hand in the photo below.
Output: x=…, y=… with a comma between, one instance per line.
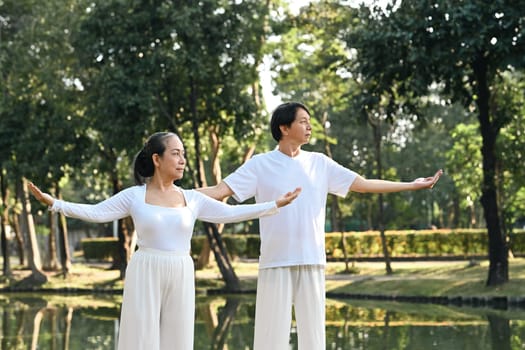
x=288, y=198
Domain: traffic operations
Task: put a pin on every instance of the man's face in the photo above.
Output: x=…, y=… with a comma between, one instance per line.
x=300, y=130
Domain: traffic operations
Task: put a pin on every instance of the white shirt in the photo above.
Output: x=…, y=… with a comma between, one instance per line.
x=294, y=236
x=160, y=227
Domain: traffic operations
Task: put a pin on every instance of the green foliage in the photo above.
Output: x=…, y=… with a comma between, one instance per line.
x=187, y=68
x=464, y=163
x=84, y=82
x=462, y=48
x=197, y=242
x=40, y=122
x=244, y=246
x=100, y=249
x=511, y=147
x=236, y=245
x=462, y=243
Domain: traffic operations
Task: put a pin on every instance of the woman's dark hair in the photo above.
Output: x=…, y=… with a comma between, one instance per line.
x=284, y=114
x=143, y=166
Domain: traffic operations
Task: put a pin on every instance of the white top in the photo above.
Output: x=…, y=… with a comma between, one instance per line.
x=158, y=227
x=295, y=236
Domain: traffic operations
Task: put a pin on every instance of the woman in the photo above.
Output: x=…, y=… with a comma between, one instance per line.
x=159, y=291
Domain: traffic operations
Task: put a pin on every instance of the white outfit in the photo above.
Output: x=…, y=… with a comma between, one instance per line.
x=293, y=237
x=159, y=291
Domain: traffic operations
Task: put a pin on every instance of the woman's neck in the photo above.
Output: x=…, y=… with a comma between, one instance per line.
x=162, y=185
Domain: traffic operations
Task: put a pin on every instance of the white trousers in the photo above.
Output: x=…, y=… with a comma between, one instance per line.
x=278, y=289
x=158, y=306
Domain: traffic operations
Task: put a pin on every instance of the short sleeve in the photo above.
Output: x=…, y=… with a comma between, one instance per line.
x=339, y=178
x=243, y=181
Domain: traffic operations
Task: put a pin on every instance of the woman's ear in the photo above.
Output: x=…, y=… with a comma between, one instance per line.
x=156, y=159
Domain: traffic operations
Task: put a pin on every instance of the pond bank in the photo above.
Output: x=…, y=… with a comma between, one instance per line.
x=455, y=283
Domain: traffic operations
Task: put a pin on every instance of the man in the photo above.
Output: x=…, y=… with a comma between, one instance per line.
x=292, y=256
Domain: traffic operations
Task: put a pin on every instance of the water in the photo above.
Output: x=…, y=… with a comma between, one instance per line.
x=86, y=322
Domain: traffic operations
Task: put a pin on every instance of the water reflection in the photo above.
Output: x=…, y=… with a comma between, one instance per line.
x=51, y=322
x=91, y=322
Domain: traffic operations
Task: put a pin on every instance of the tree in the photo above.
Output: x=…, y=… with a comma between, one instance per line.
x=462, y=47
x=116, y=47
x=184, y=67
x=315, y=64
x=464, y=164
x=4, y=221
x=43, y=121
x=216, y=84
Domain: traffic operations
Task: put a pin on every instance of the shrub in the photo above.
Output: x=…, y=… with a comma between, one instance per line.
x=100, y=249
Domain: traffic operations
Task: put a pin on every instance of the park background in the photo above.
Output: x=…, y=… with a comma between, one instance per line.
x=396, y=91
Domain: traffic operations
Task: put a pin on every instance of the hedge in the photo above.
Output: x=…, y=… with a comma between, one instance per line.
x=461, y=243
x=100, y=249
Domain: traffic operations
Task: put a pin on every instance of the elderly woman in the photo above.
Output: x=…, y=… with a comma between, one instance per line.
x=159, y=291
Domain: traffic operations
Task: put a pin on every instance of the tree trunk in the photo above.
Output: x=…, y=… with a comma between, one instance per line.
x=226, y=317
x=214, y=238
x=37, y=322
x=455, y=215
x=63, y=241
x=498, y=250
x=500, y=332
x=335, y=211
x=248, y=153
x=221, y=255
x=15, y=223
x=4, y=221
x=52, y=262
x=66, y=337
x=204, y=256
x=379, y=169
x=124, y=237
x=37, y=276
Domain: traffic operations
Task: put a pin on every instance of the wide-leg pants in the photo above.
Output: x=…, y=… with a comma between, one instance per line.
x=278, y=289
x=158, y=306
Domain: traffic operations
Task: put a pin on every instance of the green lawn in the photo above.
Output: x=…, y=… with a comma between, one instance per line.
x=435, y=279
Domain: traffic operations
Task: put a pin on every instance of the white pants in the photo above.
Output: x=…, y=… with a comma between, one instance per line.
x=158, y=306
x=277, y=290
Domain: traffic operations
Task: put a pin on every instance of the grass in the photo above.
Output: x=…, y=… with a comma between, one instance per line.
x=81, y=276
x=431, y=279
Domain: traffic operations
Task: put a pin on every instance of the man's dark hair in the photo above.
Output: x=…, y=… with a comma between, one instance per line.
x=284, y=114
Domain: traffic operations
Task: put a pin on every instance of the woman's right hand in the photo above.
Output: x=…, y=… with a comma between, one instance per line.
x=288, y=198
x=44, y=198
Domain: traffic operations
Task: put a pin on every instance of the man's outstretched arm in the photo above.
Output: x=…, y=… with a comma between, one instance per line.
x=219, y=192
x=363, y=185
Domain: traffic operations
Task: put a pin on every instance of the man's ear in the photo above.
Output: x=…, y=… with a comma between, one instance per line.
x=284, y=129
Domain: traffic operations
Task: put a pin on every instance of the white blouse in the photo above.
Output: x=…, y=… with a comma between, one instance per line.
x=163, y=228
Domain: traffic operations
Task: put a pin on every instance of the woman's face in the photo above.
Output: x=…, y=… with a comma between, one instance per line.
x=172, y=162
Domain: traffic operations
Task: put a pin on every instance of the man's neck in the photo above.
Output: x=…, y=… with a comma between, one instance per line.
x=289, y=149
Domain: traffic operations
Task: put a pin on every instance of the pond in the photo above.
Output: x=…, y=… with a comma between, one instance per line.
x=88, y=322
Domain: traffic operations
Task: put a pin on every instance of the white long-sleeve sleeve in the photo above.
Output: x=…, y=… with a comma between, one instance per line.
x=211, y=210
x=160, y=227
x=113, y=208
